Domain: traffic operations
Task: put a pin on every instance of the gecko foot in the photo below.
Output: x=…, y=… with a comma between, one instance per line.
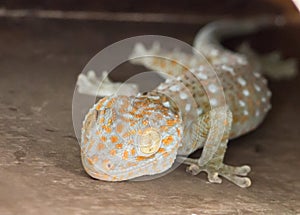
x=237, y=175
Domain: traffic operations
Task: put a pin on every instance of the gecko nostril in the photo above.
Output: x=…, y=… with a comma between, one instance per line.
x=107, y=165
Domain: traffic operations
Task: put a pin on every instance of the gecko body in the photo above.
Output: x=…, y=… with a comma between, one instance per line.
x=200, y=105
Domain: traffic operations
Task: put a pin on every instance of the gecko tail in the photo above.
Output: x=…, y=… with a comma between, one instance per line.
x=211, y=35
x=272, y=64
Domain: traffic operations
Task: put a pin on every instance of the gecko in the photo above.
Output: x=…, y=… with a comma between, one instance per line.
x=202, y=104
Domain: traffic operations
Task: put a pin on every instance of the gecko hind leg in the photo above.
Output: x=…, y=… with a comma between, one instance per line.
x=272, y=64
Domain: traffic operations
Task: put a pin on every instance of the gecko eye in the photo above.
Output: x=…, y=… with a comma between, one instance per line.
x=149, y=142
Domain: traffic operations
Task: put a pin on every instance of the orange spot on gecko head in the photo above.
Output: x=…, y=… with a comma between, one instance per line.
x=171, y=122
x=100, y=103
x=93, y=159
x=178, y=132
x=101, y=146
x=119, y=146
x=168, y=140
x=110, y=103
x=164, y=127
x=141, y=158
x=113, y=152
x=161, y=150
x=165, y=154
x=92, y=142
x=119, y=128
x=125, y=155
x=106, y=128
x=145, y=122
x=114, y=139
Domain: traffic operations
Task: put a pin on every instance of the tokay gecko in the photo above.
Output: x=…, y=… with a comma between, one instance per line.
x=201, y=104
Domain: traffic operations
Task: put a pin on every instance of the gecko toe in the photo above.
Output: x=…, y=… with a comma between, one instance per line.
x=214, y=177
x=240, y=181
x=243, y=170
x=193, y=169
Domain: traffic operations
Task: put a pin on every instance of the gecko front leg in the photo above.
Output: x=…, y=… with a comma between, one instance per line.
x=215, y=126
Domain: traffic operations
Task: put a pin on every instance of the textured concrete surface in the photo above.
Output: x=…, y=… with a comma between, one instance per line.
x=40, y=169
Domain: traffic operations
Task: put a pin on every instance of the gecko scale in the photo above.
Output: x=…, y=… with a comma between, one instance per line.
x=200, y=105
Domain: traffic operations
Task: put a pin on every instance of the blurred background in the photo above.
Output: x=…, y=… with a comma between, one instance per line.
x=200, y=8
x=44, y=45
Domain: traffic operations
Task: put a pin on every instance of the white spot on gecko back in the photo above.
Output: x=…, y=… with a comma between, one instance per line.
x=246, y=92
x=166, y=104
x=257, y=74
x=168, y=81
x=161, y=87
x=199, y=111
x=175, y=88
x=188, y=107
x=214, y=52
x=213, y=102
x=155, y=97
x=257, y=88
x=257, y=113
x=228, y=69
x=242, y=61
x=202, y=76
x=183, y=95
x=201, y=68
x=241, y=81
x=212, y=88
x=242, y=103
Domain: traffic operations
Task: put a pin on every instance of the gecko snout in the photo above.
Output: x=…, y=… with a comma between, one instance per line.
x=127, y=137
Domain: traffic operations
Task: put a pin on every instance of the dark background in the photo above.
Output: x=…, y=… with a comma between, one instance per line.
x=203, y=7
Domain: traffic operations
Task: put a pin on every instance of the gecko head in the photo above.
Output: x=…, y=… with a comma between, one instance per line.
x=127, y=137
